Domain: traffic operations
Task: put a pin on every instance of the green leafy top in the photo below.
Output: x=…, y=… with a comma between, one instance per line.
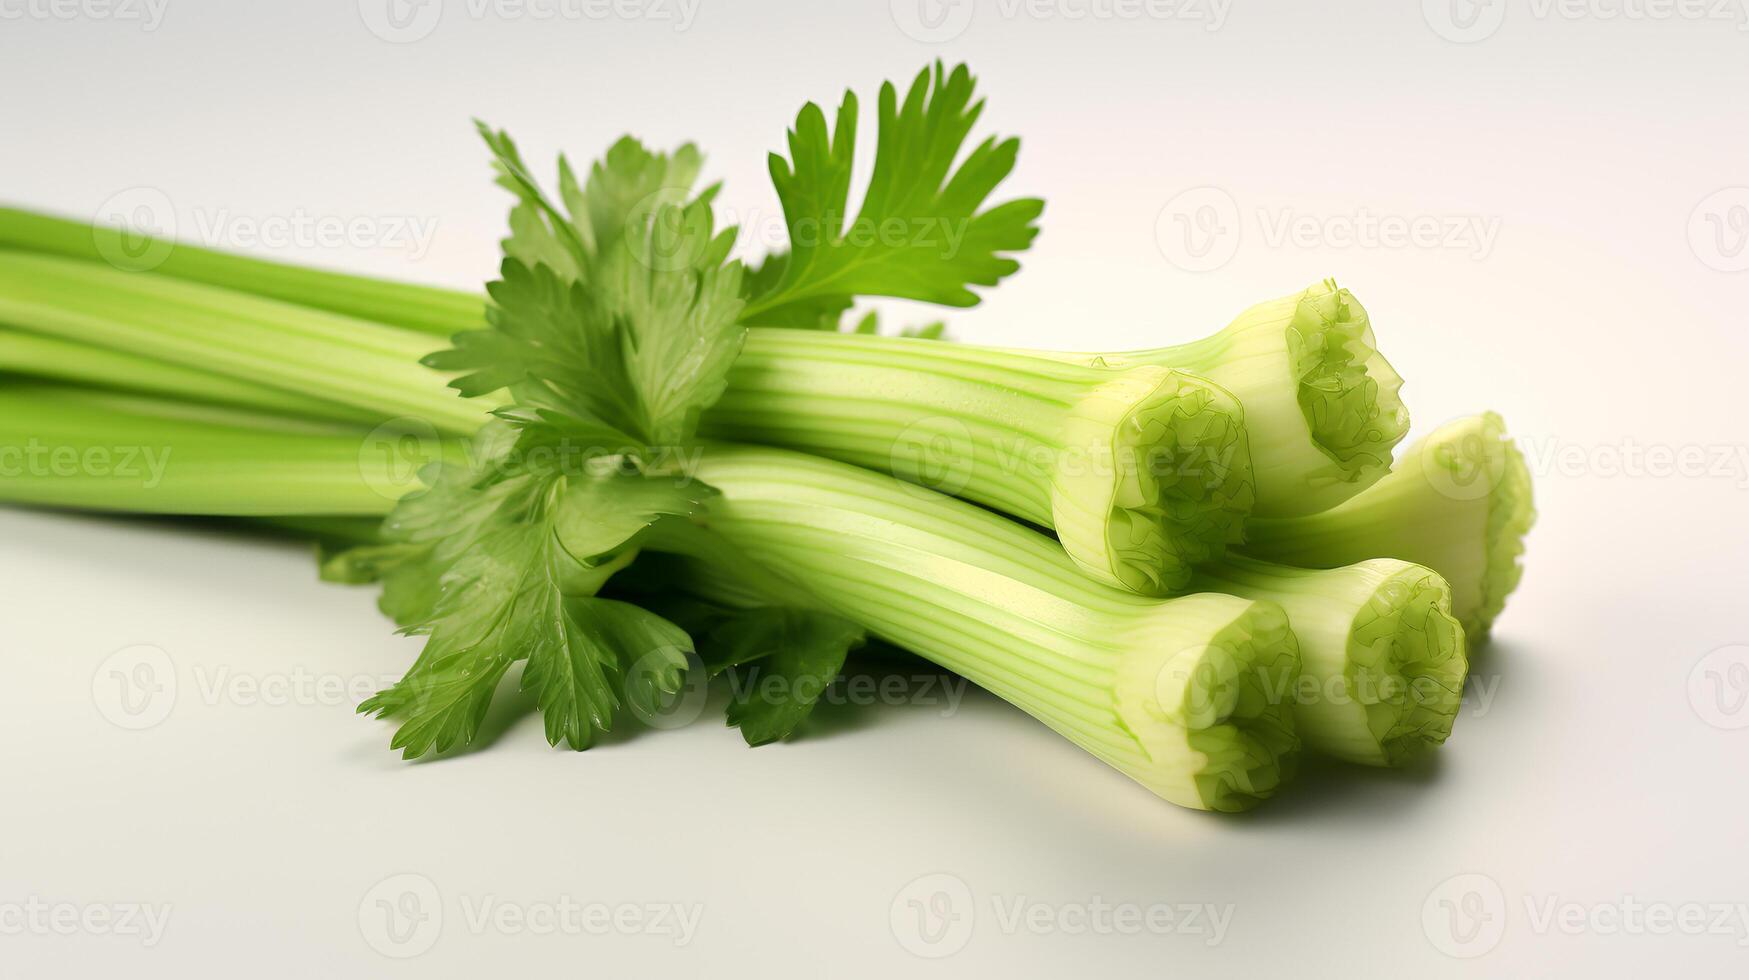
x=920, y=233
x=613, y=323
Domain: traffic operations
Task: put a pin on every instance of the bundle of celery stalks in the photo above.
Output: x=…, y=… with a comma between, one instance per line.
x=635, y=464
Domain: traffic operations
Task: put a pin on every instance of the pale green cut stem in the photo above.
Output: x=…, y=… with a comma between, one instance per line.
x=1383, y=661
x=1321, y=402
x=96, y=451
x=1143, y=473
x=1170, y=691
x=286, y=347
x=1458, y=502
x=428, y=309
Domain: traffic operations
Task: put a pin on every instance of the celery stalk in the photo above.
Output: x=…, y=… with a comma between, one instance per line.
x=424, y=308
x=305, y=352
x=1143, y=473
x=1320, y=401
x=1179, y=694
x=1383, y=661
x=96, y=451
x=1458, y=502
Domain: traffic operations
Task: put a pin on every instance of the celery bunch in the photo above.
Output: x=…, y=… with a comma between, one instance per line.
x=643, y=461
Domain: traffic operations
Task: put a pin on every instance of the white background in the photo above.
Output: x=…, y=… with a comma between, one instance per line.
x=1602, y=315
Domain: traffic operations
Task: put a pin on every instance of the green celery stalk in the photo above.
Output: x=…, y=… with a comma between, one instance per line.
x=1458, y=502
x=1175, y=693
x=1142, y=472
x=304, y=352
x=1321, y=402
x=1383, y=661
x=1188, y=696
x=63, y=447
x=43, y=356
x=424, y=308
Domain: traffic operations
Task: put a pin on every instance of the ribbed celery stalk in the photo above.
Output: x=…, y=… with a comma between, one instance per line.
x=43, y=356
x=424, y=308
x=1320, y=400
x=64, y=447
x=306, y=352
x=1382, y=660
x=1175, y=693
x=1458, y=502
x=1143, y=473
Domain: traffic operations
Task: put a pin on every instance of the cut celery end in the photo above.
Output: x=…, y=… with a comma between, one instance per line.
x=1383, y=659
x=1321, y=403
x=1142, y=472
x=1458, y=502
x=1187, y=696
x=1172, y=487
